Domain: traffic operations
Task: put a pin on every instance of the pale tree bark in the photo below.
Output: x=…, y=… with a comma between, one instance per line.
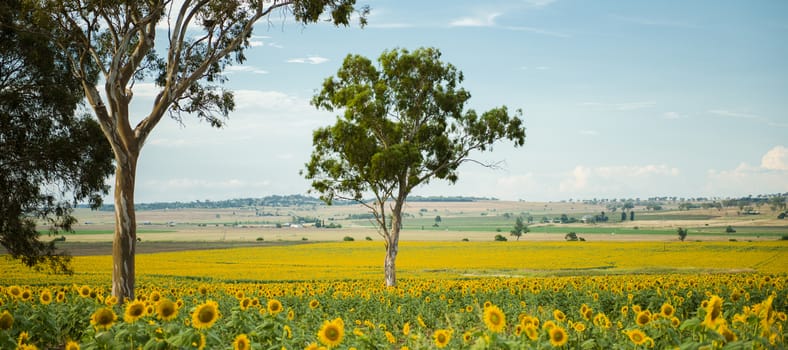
x=392, y=242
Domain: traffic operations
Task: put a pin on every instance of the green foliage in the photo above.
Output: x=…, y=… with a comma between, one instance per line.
x=51, y=157
x=682, y=233
x=571, y=236
x=348, y=239
x=730, y=229
x=519, y=228
x=500, y=238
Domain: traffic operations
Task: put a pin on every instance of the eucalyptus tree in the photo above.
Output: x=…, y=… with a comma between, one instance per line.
x=51, y=156
x=403, y=124
x=118, y=42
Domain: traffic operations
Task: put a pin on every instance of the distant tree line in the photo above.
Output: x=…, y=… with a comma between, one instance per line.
x=295, y=200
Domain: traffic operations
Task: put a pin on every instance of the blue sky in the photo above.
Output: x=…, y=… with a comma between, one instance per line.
x=621, y=99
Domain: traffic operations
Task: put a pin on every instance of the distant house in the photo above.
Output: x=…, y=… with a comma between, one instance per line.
x=587, y=219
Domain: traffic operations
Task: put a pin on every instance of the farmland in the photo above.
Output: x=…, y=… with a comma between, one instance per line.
x=206, y=280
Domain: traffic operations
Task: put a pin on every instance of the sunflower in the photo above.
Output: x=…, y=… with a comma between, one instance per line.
x=559, y=315
x=245, y=303
x=241, y=342
x=558, y=336
x=45, y=297
x=205, y=315
x=154, y=296
x=467, y=337
x=579, y=327
x=667, y=310
x=6, y=320
x=406, y=328
x=494, y=319
x=274, y=306
x=199, y=343
x=713, y=313
x=643, y=318
x=469, y=308
x=134, y=311
x=674, y=321
x=288, y=332
x=531, y=331
x=84, y=291
x=203, y=289
x=166, y=310
x=637, y=336
x=331, y=333
x=27, y=295
x=110, y=301
x=290, y=314
x=312, y=346
x=72, y=345
x=726, y=333
x=60, y=297
x=442, y=337
x=314, y=304
x=390, y=337
x=23, y=338
x=103, y=318
x=15, y=291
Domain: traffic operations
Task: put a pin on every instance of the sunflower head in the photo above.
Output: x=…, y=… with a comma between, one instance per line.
x=642, y=318
x=332, y=332
x=637, y=336
x=442, y=337
x=72, y=345
x=134, y=311
x=6, y=320
x=274, y=306
x=667, y=310
x=558, y=336
x=242, y=342
x=103, y=318
x=166, y=310
x=494, y=319
x=205, y=315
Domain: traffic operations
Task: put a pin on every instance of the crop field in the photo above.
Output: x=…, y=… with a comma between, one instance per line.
x=267, y=278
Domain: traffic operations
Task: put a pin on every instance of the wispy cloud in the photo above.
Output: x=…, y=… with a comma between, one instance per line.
x=589, y=132
x=539, y=31
x=616, y=179
x=480, y=20
x=539, y=3
x=310, y=60
x=625, y=106
x=245, y=69
x=673, y=115
x=727, y=113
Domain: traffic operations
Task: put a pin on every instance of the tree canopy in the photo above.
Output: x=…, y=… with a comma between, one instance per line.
x=115, y=44
x=404, y=123
x=52, y=155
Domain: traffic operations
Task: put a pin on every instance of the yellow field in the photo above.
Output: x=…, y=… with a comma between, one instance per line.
x=364, y=260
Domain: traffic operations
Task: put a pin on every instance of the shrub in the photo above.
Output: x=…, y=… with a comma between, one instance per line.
x=781, y=216
x=466, y=240
x=730, y=229
x=571, y=236
x=784, y=238
x=500, y=238
x=259, y=239
x=304, y=239
x=368, y=238
x=348, y=239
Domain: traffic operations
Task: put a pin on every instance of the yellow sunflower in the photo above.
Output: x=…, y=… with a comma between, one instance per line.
x=84, y=291
x=667, y=310
x=241, y=342
x=531, y=331
x=205, y=315
x=134, y=311
x=726, y=333
x=637, y=336
x=60, y=297
x=166, y=310
x=713, y=313
x=579, y=327
x=558, y=336
x=559, y=315
x=494, y=319
x=331, y=333
x=442, y=337
x=406, y=328
x=103, y=318
x=6, y=320
x=72, y=345
x=314, y=304
x=45, y=297
x=245, y=303
x=154, y=296
x=642, y=318
x=274, y=306
x=467, y=337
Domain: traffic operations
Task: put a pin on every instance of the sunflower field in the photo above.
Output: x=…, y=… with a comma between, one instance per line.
x=331, y=307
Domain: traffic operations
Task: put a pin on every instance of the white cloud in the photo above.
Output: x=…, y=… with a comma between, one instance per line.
x=775, y=159
x=270, y=100
x=482, y=20
x=143, y=90
x=245, y=69
x=727, y=113
x=256, y=43
x=189, y=183
x=617, y=180
x=589, y=132
x=310, y=60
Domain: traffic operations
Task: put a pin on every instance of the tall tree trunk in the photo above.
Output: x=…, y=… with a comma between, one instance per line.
x=392, y=245
x=125, y=240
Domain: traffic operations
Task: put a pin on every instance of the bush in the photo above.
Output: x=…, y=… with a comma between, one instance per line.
x=784, y=238
x=730, y=229
x=781, y=216
x=259, y=239
x=304, y=239
x=466, y=240
x=500, y=238
x=368, y=238
x=348, y=239
x=571, y=236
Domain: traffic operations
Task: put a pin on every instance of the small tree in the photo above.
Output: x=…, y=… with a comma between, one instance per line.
x=632, y=216
x=682, y=233
x=623, y=216
x=500, y=238
x=519, y=228
x=404, y=124
x=730, y=229
x=437, y=221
